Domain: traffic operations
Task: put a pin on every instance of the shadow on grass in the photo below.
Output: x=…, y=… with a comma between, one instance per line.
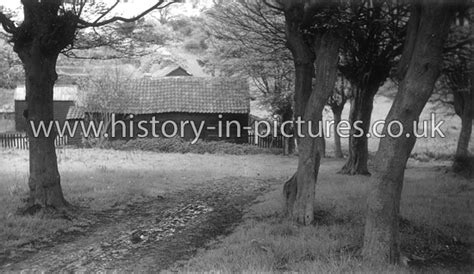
x=428, y=247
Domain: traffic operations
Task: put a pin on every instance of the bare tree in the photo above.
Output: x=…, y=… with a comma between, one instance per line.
x=248, y=39
x=104, y=94
x=49, y=28
x=419, y=69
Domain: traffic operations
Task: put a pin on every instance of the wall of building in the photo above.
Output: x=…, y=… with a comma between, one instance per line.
x=210, y=120
x=60, y=111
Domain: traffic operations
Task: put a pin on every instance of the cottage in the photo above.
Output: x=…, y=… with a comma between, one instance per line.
x=175, y=104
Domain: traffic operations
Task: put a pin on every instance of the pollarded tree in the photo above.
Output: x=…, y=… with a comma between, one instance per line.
x=372, y=46
x=312, y=35
x=457, y=78
x=419, y=68
x=49, y=28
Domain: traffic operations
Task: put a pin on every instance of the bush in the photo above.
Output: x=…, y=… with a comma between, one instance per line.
x=179, y=145
x=195, y=44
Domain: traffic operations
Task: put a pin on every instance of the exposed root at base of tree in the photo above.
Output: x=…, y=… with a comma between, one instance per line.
x=349, y=170
x=66, y=212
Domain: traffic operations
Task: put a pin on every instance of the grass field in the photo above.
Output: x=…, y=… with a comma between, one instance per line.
x=100, y=179
x=436, y=208
x=437, y=228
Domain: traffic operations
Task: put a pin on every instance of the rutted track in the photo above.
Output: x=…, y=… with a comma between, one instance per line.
x=145, y=236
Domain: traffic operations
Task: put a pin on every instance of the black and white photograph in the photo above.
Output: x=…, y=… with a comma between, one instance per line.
x=238, y=136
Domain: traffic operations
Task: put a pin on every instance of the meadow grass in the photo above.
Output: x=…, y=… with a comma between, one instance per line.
x=97, y=180
x=436, y=207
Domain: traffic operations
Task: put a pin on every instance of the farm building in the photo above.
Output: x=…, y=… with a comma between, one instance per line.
x=198, y=100
x=172, y=70
x=65, y=96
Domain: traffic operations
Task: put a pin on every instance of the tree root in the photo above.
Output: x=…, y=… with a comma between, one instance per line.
x=349, y=170
x=290, y=189
x=65, y=212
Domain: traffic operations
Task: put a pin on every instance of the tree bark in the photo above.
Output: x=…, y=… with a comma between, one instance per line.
x=38, y=42
x=337, y=112
x=362, y=103
x=381, y=238
x=300, y=205
x=303, y=58
x=44, y=180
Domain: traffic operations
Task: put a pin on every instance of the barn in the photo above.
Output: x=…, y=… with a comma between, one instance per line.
x=65, y=96
x=208, y=101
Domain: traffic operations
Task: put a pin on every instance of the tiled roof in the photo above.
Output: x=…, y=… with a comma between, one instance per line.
x=75, y=113
x=187, y=94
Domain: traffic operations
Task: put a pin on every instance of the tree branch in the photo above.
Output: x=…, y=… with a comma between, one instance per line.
x=459, y=45
x=106, y=12
x=98, y=23
x=7, y=24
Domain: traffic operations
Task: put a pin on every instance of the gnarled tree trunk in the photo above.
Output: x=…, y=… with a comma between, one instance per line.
x=38, y=42
x=420, y=68
x=300, y=190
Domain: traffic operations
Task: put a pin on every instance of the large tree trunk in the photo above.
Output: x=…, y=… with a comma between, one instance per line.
x=337, y=113
x=303, y=58
x=44, y=180
x=362, y=103
x=430, y=22
x=300, y=190
x=38, y=42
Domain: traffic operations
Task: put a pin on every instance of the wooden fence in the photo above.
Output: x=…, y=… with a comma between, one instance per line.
x=20, y=141
x=266, y=142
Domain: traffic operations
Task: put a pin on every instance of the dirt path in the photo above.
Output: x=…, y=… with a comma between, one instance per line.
x=145, y=236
